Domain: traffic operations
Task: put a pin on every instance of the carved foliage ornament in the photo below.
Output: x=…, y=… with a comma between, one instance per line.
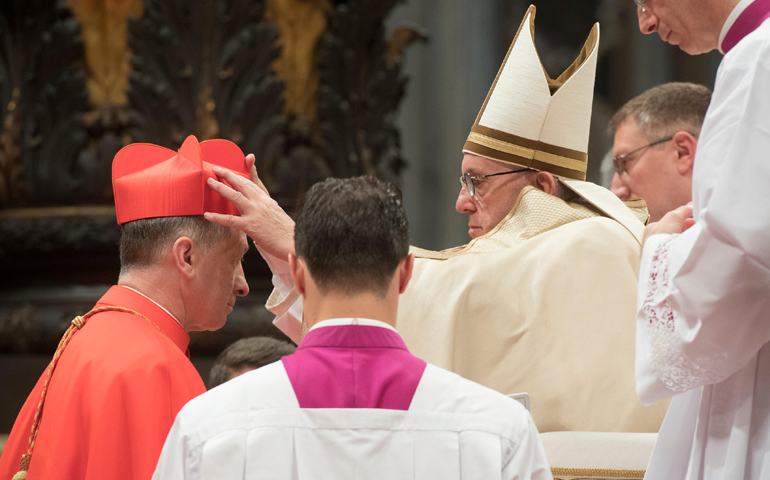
x=204, y=68
x=359, y=88
x=43, y=99
x=208, y=70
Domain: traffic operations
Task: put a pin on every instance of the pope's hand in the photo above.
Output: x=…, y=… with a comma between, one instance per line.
x=261, y=217
x=675, y=221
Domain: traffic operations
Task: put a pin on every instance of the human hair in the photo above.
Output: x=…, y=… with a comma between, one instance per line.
x=352, y=233
x=247, y=353
x=665, y=109
x=143, y=242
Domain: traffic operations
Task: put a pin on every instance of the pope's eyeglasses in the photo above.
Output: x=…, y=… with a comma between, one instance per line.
x=467, y=181
x=640, y=4
x=621, y=161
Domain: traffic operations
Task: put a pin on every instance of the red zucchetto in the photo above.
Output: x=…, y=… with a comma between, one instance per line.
x=151, y=181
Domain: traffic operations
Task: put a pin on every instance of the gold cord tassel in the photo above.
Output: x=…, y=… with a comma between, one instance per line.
x=22, y=474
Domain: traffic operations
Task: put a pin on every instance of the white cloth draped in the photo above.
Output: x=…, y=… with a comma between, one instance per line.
x=252, y=427
x=704, y=297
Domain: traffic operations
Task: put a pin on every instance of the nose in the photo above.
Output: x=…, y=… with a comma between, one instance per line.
x=648, y=22
x=464, y=203
x=619, y=188
x=241, y=287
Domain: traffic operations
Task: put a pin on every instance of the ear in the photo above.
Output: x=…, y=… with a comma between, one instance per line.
x=685, y=145
x=184, y=256
x=297, y=270
x=405, y=268
x=546, y=182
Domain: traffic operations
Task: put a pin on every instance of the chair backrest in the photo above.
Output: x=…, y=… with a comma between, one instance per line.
x=598, y=455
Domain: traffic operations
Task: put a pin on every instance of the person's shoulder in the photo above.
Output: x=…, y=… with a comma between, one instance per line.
x=116, y=348
x=759, y=37
x=600, y=235
x=265, y=388
x=133, y=343
x=752, y=50
x=444, y=391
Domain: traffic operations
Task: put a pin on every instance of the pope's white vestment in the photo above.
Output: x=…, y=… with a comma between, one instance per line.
x=352, y=403
x=544, y=304
x=704, y=298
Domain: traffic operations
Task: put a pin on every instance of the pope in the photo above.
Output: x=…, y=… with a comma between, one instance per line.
x=103, y=407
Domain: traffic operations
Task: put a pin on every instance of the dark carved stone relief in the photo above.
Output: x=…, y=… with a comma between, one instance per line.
x=196, y=67
x=204, y=69
x=65, y=233
x=360, y=87
x=208, y=71
x=359, y=92
x=33, y=321
x=43, y=96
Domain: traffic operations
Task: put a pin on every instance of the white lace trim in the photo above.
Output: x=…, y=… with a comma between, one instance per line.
x=676, y=371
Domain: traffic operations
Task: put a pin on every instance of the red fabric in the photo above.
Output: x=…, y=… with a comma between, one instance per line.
x=151, y=181
x=353, y=366
x=112, y=399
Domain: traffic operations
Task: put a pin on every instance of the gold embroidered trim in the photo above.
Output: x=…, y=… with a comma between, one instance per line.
x=500, y=145
x=539, y=155
x=560, y=161
x=597, y=472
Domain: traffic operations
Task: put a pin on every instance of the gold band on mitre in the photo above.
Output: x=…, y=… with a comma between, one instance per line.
x=505, y=147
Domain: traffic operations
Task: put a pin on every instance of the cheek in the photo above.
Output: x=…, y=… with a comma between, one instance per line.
x=493, y=215
x=633, y=184
x=482, y=213
x=647, y=175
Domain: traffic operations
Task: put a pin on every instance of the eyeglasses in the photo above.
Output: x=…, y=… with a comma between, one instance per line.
x=467, y=181
x=621, y=161
x=640, y=4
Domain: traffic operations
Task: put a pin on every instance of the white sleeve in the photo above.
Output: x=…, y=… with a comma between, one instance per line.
x=704, y=296
x=285, y=302
x=527, y=459
x=176, y=461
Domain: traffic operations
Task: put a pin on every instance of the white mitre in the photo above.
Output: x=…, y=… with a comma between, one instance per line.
x=531, y=120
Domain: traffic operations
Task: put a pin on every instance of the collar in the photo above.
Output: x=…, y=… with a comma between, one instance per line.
x=336, y=322
x=153, y=301
x=534, y=212
x=352, y=333
x=125, y=297
x=746, y=17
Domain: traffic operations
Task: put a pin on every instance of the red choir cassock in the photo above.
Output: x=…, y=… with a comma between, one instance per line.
x=113, y=398
x=124, y=371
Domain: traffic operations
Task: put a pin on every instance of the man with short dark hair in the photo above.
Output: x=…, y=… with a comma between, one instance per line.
x=245, y=355
x=703, y=321
x=122, y=371
x=352, y=402
x=655, y=137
